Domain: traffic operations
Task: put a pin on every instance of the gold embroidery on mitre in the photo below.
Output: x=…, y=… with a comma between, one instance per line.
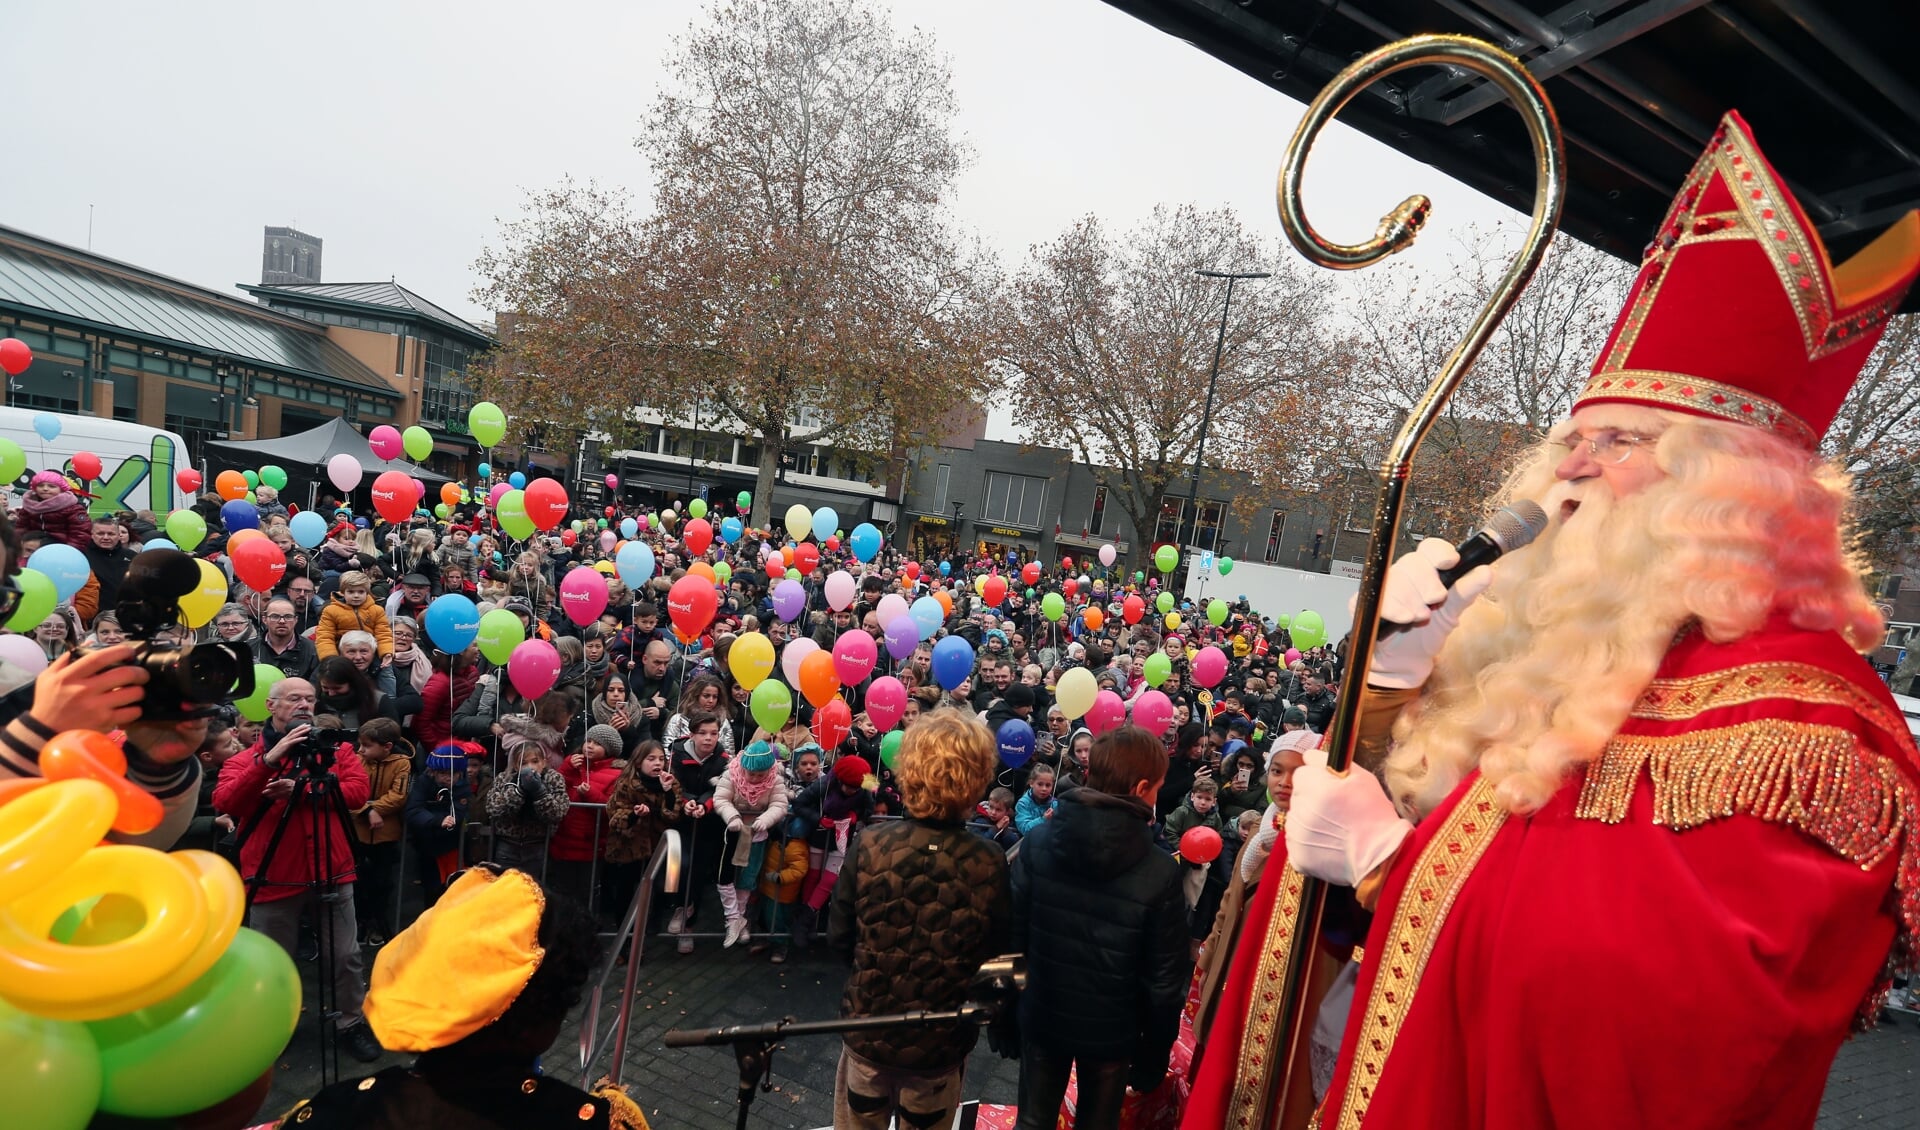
x=1259, y=1043
x=1425, y=902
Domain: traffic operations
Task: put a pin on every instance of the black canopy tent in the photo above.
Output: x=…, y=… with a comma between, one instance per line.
x=305, y=456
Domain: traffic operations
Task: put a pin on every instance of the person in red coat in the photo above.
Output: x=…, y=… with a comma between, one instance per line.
x=590, y=773
x=1648, y=846
x=256, y=788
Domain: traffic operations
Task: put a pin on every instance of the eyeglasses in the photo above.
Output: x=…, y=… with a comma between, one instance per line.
x=9, y=598
x=1609, y=447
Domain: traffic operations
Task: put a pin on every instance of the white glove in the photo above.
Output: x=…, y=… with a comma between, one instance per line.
x=1340, y=828
x=1414, y=595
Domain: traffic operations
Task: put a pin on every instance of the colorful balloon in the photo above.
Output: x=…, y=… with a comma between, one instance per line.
x=1157, y=669
x=545, y=502
x=799, y=521
x=854, y=655
x=886, y=701
x=452, y=621
x=818, y=683
x=86, y=465
x=1015, y=742
x=1107, y=712
x=635, y=563
x=1209, y=666
x=487, y=423
x=274, y=476
x=789, y=600
x=533, y=667
x=832, y=723
x=1153, y=711
x=1166, y=558
x=258, y=563
x=1200, y=844
x=15, y=356
x=62, y=564
x=418, y=442
x=343, y=471
x=386, y=442
x=793, y=655
x=583, y=595
x=690, y=605
x=1075, y=692
x=1107, y=555
x=952, y=662
x=901, y=635
x=698, y=536
x=500, y=631
x=825, y=521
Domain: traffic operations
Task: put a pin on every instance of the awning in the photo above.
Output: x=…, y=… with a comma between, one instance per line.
x=1094, y=543
x=313, y=448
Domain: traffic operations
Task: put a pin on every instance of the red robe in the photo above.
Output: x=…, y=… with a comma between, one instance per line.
x=1681, y=938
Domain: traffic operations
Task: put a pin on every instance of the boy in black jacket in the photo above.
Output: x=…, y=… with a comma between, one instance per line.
x=1099, y=912
x=697, y=764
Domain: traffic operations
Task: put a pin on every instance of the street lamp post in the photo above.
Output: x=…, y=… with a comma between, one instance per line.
x=1206, y=415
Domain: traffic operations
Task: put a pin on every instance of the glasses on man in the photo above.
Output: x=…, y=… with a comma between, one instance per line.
x=1608, y=445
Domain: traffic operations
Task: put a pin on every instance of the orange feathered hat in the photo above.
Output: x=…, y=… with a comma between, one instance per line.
x=1738, y=314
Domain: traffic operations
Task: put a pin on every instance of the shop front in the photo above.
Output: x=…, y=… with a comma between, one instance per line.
x=1007, y=544
x=931, y=537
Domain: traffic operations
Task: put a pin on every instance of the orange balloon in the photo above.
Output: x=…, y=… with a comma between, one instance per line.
x=89, y=754
x=786, y=555
x=240, y=538
x=817, y=680
x=230, y=485
x=1093, y=619
x=946, y=601
x=450, y=493
x=702, y=569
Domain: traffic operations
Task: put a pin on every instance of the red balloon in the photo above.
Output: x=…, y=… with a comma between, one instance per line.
x=833, y=544
x=1200, y=844
x=912, y=570
x=568, y=537
x=1066, y=564
x=259, y=563
x=15, y=356
x=690, y=605
x=86, y=464
x=393, y=495
x=833, y=722
x=776, y=569
x=1132, y=608
x=806, y=558
x=698, y=535
x=994, y=591
x=188, y=479
x=1030, y=572
x=1069, y=587
x=546, y=502
x=610, y=511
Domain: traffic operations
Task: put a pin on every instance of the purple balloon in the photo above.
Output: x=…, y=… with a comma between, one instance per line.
x=789, y=600
x=902, y=636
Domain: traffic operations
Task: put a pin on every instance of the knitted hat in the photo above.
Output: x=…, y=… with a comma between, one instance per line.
x=851, y=770
x=607, y=738
x=54, y=477
x=450, y=756
x=757, y=757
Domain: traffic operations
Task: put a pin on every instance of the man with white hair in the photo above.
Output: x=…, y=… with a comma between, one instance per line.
x=1649, y=841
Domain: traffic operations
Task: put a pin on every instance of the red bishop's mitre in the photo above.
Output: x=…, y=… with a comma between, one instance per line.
x=1738, y=314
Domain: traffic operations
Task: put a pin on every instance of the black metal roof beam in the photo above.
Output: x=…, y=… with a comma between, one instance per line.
x=1857, y=57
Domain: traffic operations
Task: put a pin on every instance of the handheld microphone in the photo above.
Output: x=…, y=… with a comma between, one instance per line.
x=1510, y=528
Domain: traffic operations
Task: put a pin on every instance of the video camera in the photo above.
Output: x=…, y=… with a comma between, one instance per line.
x=189, y=680
x=316, y=753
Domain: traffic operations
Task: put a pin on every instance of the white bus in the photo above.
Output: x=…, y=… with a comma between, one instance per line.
x=137, y=463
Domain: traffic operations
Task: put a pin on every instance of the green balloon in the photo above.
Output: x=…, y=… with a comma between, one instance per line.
x=49, y=1070
x=1216, y=612
x=206, y=1042
x=417, y=442
x=603, y=523
x=771, y=704
x=1308, y=630
x=249, y=497
x=578, y=525
x=1226, y=565
x=723, y=571
x=890, y=747
x=186, y=529
x=275, y=477
x=1139, y=577
x=743, y=500
x=1164, y=602
x=37, y=598
x=254, y=706
x=1157, y=668
x=697, y=508
x=252, y=477
x=500, y=632
x=1053, y=606
x=440, y=511
x=13, y=461
x=1166, y=558
x=1285, y=620
x=487, y=423
x=512, y=515
x=1029, y=594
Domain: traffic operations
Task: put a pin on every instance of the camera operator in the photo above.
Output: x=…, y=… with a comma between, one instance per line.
x=267, y=773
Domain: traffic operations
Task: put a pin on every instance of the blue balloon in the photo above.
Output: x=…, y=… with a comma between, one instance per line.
x=158, y=543
x=952, y=662
x=239, y=515
x=864, y=541
x=634, y=563
x=517, y=481
x=927, y=615
x=484, y=470
x=946, y=568
x=629, y=528
x=308, y=529
x=360, y=523
x=473, y=541
x=1016, y=742
x=826, y=520
x=730, y=530
x=64, y=565
x=452, y=622
x=48, y=425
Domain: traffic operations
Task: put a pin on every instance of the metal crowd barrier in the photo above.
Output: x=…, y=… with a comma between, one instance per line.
x=628, y=941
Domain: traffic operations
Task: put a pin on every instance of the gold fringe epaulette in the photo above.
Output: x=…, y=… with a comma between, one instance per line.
x=622, y=1112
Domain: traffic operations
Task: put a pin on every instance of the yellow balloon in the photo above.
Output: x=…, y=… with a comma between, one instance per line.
x=1074, y=694
x=1173, y=621
x=43, y=831
x=750, y=659
x=980, y=585
x=799, y=522
x=226, y=906
x=604, y=567
x=200, y=605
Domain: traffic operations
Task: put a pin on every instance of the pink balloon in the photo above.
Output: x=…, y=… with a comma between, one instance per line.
x=792, y=654
x=583, y=594
x=841, y=589
x=419, y=488
x=886, y=701
x=1293, y=655
x=892, y=605
x=343, y=471
x=1106, y=556
x=493, y=496
x=1106, y=713
x=533, y=667
x=24, y=652
x=1152, y=711
x=1210, y=666
x=613, y=482
x=607, y=541
x=854, y=655
x=385, y=441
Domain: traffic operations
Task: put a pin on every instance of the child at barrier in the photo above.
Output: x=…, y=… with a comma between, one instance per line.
x=644, y=803
x=526, y=804
x=781, y=873
x=831, y=808
x=436, y=807
x=589, y=775
x=751, y=798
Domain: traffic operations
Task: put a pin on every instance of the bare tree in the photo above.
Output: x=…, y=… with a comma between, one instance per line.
x=1876, y=437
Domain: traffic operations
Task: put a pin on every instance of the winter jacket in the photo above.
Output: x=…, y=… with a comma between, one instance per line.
x=809, y=808
x=238, y=795
x=731, y=808
x=784, y=870
x=525, y=806
x=1029, y=813
x=63, y=517
x=387, y=792
x=339, y=618
x=697, y=778
x=919, y=906
x=299, y=661
x=473, y=719
x=574, y=840
x=427, y=807
x=434, y=724
x=1007, y=838
x=630, y=837
x=1100, y=914
x=520, y=731
x=1183, y=818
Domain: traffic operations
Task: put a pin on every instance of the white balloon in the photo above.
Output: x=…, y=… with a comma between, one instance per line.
x=344, y=471
x=23, y=652
x=1106, y=556
x=891, y=606
x=841, y=589
x=792, y=654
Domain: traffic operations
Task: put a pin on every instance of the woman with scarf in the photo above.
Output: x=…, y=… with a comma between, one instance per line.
x=612, y=705
x=411, y=668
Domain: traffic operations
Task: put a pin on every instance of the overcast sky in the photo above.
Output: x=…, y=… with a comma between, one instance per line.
x=401, y=132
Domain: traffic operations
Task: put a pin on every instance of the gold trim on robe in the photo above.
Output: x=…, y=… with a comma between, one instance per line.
x=1259, y=1044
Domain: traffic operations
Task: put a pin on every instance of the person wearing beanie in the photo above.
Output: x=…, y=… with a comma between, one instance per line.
x=830, y=808
x=608, y=739
x=589, y=774
x=54, y=509
x=436, y=807
x=751, y=798
x=526, y=804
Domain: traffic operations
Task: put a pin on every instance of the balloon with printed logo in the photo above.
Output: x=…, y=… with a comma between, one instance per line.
x=690, y=605
x=1015, y=742
x=775, y=569
x=252, y=478
x=1075, y=691
x=1163, y=602
x=1217, y=612
x=393, y=495
x=343, y=471
x=242, y=515
x=452, y=621
x=891, y=605
x=500, y=631
x=994, y=591
x=511, y=513
x=533, y=667
x=697, y=508
x=789, y=599
x=1157, y=669
x=583, y=595
x=1069, y=588
x=63, y=565
x=1093, y=618
x=927, y=615
x=864, y=541
x=487, y=423
x=1030, y=572
x=607, y=541
x=840, y=588
x=1308, y=630
x=386, y=441
x=1166, y=558
x=743, y=501
x=952, y=662
x=832, y=723
x=450, y=494
x=886, y=701
x=1107, y=712
x=1153, y=711
x=86, y=465
x=197, y=607
x=545, y=501
x=1132, y=609
x=698, y=535
x=806, y=558
x=308, y=529
x=854, y=655
x=799, y=521
x=418, y=442
x=1053, y=606
x=1209, y=666
x=750, y=659
x=1107, y=555
x=634, y=561
x=274, y=476
x=793, y=654
x=1226, y=565
x=230, y=485
x=259, y=563
x=731, y=529
x=1172, y=621
x=901, y=635
x=818, y=683
x=37, y=598
x=254, y=706
x=517, y=480
x=771, y=704
x=825, y=521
